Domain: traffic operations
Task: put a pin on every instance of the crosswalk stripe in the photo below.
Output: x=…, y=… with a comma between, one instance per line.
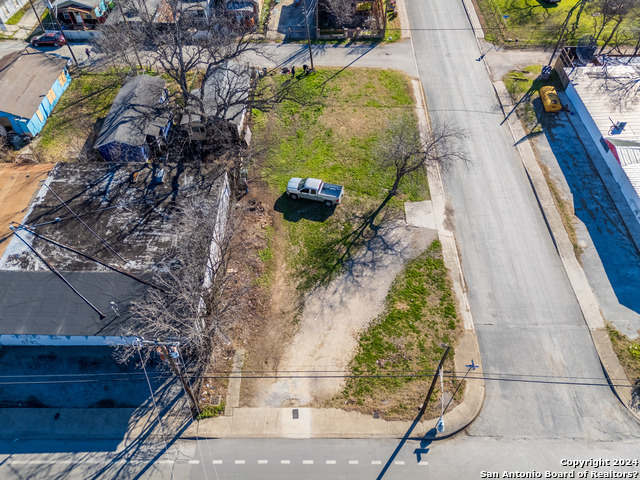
x=194, y=462
x=376, y=462
x=263, y=462
x=353, y=462
x=217, y=462
x=285, y=462
x=331, y=462
x=399, y=462
x=239, y=462
x=307, y=462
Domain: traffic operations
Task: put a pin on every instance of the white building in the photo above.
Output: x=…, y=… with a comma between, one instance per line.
x=8, y=8
x=607, y=99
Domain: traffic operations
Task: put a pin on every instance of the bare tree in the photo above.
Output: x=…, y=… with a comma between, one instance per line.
x=344, y=11
x=197, y=299
x=406, y=148
x=611, y=12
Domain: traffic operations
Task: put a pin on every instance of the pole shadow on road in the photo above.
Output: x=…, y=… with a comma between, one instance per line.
x=423, y=450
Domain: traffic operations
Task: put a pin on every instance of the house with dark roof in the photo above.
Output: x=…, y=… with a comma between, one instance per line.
x=61, y=285
x=31, y=83
x=138, y=122
x=224, y=98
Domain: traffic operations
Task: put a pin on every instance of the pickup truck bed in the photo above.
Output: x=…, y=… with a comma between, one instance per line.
x=331, y=190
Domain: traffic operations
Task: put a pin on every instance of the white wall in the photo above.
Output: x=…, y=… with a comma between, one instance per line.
x=618, y=173
x=8, y=9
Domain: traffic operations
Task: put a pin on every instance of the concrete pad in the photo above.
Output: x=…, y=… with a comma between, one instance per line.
x=420, y=214
x=235, y=379
x=296, y=427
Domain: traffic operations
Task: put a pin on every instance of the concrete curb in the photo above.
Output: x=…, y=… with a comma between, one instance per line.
x=464, y=414
x=582, y=290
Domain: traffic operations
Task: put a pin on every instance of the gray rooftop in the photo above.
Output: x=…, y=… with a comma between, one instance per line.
x=140, y=221
x=226, y=92
x=39, y=303
x=136, y=112
x=25, y=78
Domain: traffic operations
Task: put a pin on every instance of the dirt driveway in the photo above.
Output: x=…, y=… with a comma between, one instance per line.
x=333, y=317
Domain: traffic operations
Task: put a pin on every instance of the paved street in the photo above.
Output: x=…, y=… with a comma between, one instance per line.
x=526, y=316
x=463, y=457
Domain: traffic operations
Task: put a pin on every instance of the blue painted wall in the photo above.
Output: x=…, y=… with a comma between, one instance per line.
x=34, y=125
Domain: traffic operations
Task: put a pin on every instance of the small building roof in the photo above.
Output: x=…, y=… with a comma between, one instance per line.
x=225, y=96
x=137, y=111
x=25, y=78
x=140, y=221
x=85, y=4
x=611, y=94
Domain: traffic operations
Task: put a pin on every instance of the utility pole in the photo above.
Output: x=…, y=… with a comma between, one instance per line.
x=433, y=383
x=37, y=16
x=177, y=371
x=564, y=28
x=306, y=22
x=55, y=18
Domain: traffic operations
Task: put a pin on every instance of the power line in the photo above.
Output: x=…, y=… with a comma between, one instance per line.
x=543, y=380
x=268, y=374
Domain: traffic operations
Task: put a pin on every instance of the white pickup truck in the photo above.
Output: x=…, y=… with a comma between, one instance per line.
x=314, y=189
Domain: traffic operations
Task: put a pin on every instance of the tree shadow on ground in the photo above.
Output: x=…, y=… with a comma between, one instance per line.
x=338, y=253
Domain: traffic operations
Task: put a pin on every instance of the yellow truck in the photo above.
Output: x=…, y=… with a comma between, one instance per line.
x=550, y=100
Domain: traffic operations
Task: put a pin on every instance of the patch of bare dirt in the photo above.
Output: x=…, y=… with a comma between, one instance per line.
x=281, y=304
x=334, y=316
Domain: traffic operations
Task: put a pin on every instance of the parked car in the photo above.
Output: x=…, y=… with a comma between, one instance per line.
x=314, y=189
x=48, y=40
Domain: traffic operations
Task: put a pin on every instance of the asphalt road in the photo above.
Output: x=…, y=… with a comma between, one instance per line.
x=527, y=319
x=460, y=458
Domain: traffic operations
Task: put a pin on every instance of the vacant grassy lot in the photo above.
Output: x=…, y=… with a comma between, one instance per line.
x=330, y=132
x=404, y=345
x=71, y=129
x=539, y=22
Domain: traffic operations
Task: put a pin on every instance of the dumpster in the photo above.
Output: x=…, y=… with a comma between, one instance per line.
x=550, y=100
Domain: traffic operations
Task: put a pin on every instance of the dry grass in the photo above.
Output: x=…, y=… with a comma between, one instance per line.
x=628, y=352
x=399, y=351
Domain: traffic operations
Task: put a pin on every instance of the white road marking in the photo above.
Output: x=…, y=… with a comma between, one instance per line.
x=424, y=462
x=399, y=462
x=331, y=462
x=353, y=462
x=239, y=462
x=263, y=462
x=217, y=462
x=376, y=462
x=194, y=462
x=285, y=462
x=307, y=462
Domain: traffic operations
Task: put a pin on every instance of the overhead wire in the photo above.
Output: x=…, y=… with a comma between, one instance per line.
x=517, y=378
